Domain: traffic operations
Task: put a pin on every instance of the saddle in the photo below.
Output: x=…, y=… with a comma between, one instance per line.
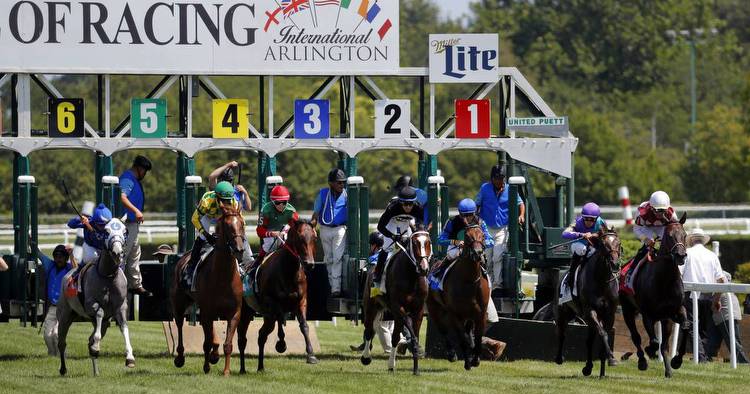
x=439, y=271
x=376, y=291
x=250, y=288
x=190, y=273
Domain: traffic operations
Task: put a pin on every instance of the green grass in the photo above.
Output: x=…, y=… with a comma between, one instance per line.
x=26, y=368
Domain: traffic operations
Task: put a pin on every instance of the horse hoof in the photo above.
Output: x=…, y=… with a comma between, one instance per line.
x=612, y=362
x=391, y=370
x=93, y=353
x=242, y=371
x=179, y=361
x=559, y=360
x=667, y=374
x=651, y=351
x=453, y=357
x=642, y=364
x=130, y=363
x=226, y=373
x=416, y=372
x=365, y=361
x=63, y=371
x=467, y=365
x=213, y=358
x=206, y=368
x=587, y=370
x=475, y=362
x=261, y=370
x=280, y=346
x=676, y=362
x=312, y=360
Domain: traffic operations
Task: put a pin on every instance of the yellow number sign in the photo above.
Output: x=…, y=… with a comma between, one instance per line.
x=230, y=118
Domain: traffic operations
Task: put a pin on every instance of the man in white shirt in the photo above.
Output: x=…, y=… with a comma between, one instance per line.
x=701, y=266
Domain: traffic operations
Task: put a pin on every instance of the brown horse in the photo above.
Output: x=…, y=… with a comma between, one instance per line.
x=282, y=288
x=460, y=309
x=218, y=294
x=596, y=301
x=658, y=297
x=406, y=291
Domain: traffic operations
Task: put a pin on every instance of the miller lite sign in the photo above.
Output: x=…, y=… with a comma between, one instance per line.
x=461, y=58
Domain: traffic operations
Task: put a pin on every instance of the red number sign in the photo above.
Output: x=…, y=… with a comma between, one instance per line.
x=472, y=118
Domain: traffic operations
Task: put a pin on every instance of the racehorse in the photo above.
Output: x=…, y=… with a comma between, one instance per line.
x=218, y=294
x=406, y=291
x=282, y=288
x=658, y=298
x=596, y=300
x=103, y=295
x=460, y=309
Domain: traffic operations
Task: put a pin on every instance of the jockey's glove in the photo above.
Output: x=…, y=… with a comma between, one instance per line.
x=210, y=238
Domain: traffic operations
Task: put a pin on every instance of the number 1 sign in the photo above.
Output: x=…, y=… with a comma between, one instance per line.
x=472, y=118
x=392, y=118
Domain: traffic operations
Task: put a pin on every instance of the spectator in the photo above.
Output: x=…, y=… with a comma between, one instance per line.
x=701, y=266
x=162, y=252
x=3, y=267
x=330, y=211
x=55, y=269
x=133, y=199
x=720, y=329
x=492, y=206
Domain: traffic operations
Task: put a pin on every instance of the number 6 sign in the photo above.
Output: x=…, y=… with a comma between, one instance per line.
x=472, y=118
x=66, y=118
x=148, y=118
x=312, y=119
x=392, y=118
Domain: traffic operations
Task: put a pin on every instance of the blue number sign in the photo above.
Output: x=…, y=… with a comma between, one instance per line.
x=312, y=119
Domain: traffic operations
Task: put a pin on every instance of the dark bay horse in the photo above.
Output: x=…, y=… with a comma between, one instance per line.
x=406, y=291
x=218, y=294
x=104, y=296
x=659, y=298
x=282, y=288
x=596, y=300
x=460, y=310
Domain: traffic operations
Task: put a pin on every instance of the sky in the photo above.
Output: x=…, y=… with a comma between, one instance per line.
x=454, y=7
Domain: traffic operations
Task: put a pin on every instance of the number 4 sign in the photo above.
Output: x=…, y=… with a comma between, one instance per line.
x=472, y=118
x=230, y=118
x=312, y=119
x=148, y=118
x=392, y=118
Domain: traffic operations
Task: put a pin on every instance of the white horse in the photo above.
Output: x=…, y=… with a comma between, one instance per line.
x=103, y=295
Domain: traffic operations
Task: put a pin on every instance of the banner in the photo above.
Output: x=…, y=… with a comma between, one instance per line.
x=231, y=37
x=463, y=58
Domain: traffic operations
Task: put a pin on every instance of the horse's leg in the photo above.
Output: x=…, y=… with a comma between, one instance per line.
x=417, y=325
x=208, y=335
x=480, y=324
x=245, y=317
x=684, y=332
x=468, y=336
x=564, y=314
x=121, y=317
x=370, y=312
x=594, y=321
x=179, y=305
x=263, y=333
x=413, y=343
x=589, y=350
x=65, y=319
x=628, y=314
x=280, y=343
x=664, y=348
x=96, y=337
x=436, y=315
x=398, y=319
x=653, y=345
x=302, y=319
x=231, y=330
x=214, y=357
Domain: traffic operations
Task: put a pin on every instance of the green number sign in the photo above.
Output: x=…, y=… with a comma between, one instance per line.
x=148, y=118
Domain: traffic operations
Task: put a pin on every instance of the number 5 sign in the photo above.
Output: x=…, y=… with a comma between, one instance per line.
x=392, y=118
x=472, y=118
x=230, y=118
x=312, y=119
x=66, y=118
x=148, y=118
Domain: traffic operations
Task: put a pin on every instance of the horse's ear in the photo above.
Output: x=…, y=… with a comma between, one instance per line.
x=429, y=227
x=683, y=218
x=313, y=222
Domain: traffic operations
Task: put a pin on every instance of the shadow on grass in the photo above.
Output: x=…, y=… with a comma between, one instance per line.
x=17, y=357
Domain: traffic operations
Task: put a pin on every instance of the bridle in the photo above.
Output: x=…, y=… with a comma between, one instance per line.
x=671, y=250
x=608, y=254
x=228, y=240
x=414, y=258
x=468, y=247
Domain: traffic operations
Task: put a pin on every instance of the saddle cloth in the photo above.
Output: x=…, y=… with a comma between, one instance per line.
x=437, y=274
x=566, y=293
x=376, y=291
x=250, y=289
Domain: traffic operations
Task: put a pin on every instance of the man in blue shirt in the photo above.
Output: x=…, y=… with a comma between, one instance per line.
x=133, y=199
x=55, y=269
x=330, y=211
x=492, y=205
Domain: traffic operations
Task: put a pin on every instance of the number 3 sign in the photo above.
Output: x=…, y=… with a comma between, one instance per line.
x=66, y=118
x=312, y=119
x=392, y=118
x=148, y=118
x=472, y=118
x=230, y=118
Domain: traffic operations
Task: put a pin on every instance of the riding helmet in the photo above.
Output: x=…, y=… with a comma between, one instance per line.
x=102, y=214
x=659, y=200
x=279, y=193
x=407, y=194
x=336, y=175
x=590, y=210
x=224, y=190
x=377, y=239
x=467, y=205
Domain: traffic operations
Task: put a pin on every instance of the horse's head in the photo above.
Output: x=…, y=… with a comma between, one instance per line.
x=474, y=242
x=421, y=249
x=608, y=244
x=230, y=229
x=301, y=241
x=673, y=241
x=116, y=234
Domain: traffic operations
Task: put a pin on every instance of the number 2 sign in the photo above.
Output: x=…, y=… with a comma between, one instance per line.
x=472, y=118
x=230, y=118
x=66, y=118
x=148, y=118
x=392, y=118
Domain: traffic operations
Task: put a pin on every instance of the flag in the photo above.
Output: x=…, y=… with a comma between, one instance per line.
x=346, y=3
x=384, y=29
x=363, y=8
x=374, y=10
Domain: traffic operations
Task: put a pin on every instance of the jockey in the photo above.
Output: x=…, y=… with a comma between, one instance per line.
x=452, y=235
x=94, y=234
x=653, y=216
x=395, y=224
x=376, y=241
x=205, y=214
x=226, y=173
x=582, y=230
x=274, y=221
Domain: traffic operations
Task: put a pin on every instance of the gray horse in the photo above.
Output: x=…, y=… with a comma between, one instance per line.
x=104, y=295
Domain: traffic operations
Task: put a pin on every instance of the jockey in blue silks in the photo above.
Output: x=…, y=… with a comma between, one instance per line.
x=94, y=232
x=583, y=229
x=452, y=235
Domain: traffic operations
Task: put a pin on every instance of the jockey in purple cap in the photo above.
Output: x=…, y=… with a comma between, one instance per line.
x=583, y=229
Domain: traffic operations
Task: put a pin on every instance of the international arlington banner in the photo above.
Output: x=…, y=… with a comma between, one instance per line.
x=298, y=37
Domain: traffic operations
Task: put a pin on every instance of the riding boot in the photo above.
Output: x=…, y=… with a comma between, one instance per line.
x=195, y=255
x=574, y=263
x=377, y=273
